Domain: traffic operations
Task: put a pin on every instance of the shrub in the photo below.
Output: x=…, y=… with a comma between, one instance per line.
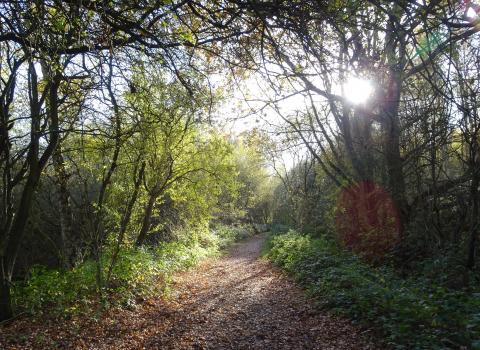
x=56, y=289
x=412, y=313
x=278, y=229
x=226, y=235
x=138, y=273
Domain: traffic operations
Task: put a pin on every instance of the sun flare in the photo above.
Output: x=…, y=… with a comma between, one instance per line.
x=471, y=13
x=357, y=90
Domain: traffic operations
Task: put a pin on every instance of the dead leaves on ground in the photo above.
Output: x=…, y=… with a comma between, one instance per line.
x=237, y=302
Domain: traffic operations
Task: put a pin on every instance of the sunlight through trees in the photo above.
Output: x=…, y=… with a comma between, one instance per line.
x=147, y=135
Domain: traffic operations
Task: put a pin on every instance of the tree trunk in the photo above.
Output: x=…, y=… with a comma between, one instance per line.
x=67, y=240
x=474, y=226
x=36, y=165
x=5, y=299
x=362, y=139
x=146, y=219
x=395, y=51
x=14, y=240
x=393, y=156
x=126, y=220
x=474, y=195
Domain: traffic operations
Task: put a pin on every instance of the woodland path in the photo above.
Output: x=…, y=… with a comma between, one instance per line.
x=239, y=301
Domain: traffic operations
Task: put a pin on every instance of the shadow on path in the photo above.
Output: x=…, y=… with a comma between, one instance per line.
x=239, y=301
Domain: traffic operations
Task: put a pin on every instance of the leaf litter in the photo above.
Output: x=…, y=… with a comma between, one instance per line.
x=239, y=301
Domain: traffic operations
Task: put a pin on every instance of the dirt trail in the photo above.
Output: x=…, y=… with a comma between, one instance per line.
x=242, y=302
x=237, y=302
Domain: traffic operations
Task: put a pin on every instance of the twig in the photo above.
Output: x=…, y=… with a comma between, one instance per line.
x=4, y=322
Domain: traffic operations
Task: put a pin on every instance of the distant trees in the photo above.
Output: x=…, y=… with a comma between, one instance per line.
x=253, y=177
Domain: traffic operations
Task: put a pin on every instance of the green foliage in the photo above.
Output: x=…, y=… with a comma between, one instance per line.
x=138, y=273
x=412, y=313
x=228, y=234
x=58, y=290
x=252, y=201
x=305, y=199
x=277, y=229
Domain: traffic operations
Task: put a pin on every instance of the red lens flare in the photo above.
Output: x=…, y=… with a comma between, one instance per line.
x=367, y=220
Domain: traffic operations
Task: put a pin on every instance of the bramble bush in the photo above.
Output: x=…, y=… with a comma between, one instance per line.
x=412, y=313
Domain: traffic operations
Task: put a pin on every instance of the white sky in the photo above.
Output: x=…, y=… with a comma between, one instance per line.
x=245, y=108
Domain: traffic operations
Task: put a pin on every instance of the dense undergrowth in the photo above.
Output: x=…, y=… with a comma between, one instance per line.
x=138, y=274
x=412, y=313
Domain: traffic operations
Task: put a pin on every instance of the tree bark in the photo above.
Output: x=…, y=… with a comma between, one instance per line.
x=146, y=219
x=126, y=220
x=36, y=164
x=6, y=311
x=474, y=195
x=393, y=158
x=67, y=240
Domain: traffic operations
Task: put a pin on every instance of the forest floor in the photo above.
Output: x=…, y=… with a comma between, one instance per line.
x=239, y=301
